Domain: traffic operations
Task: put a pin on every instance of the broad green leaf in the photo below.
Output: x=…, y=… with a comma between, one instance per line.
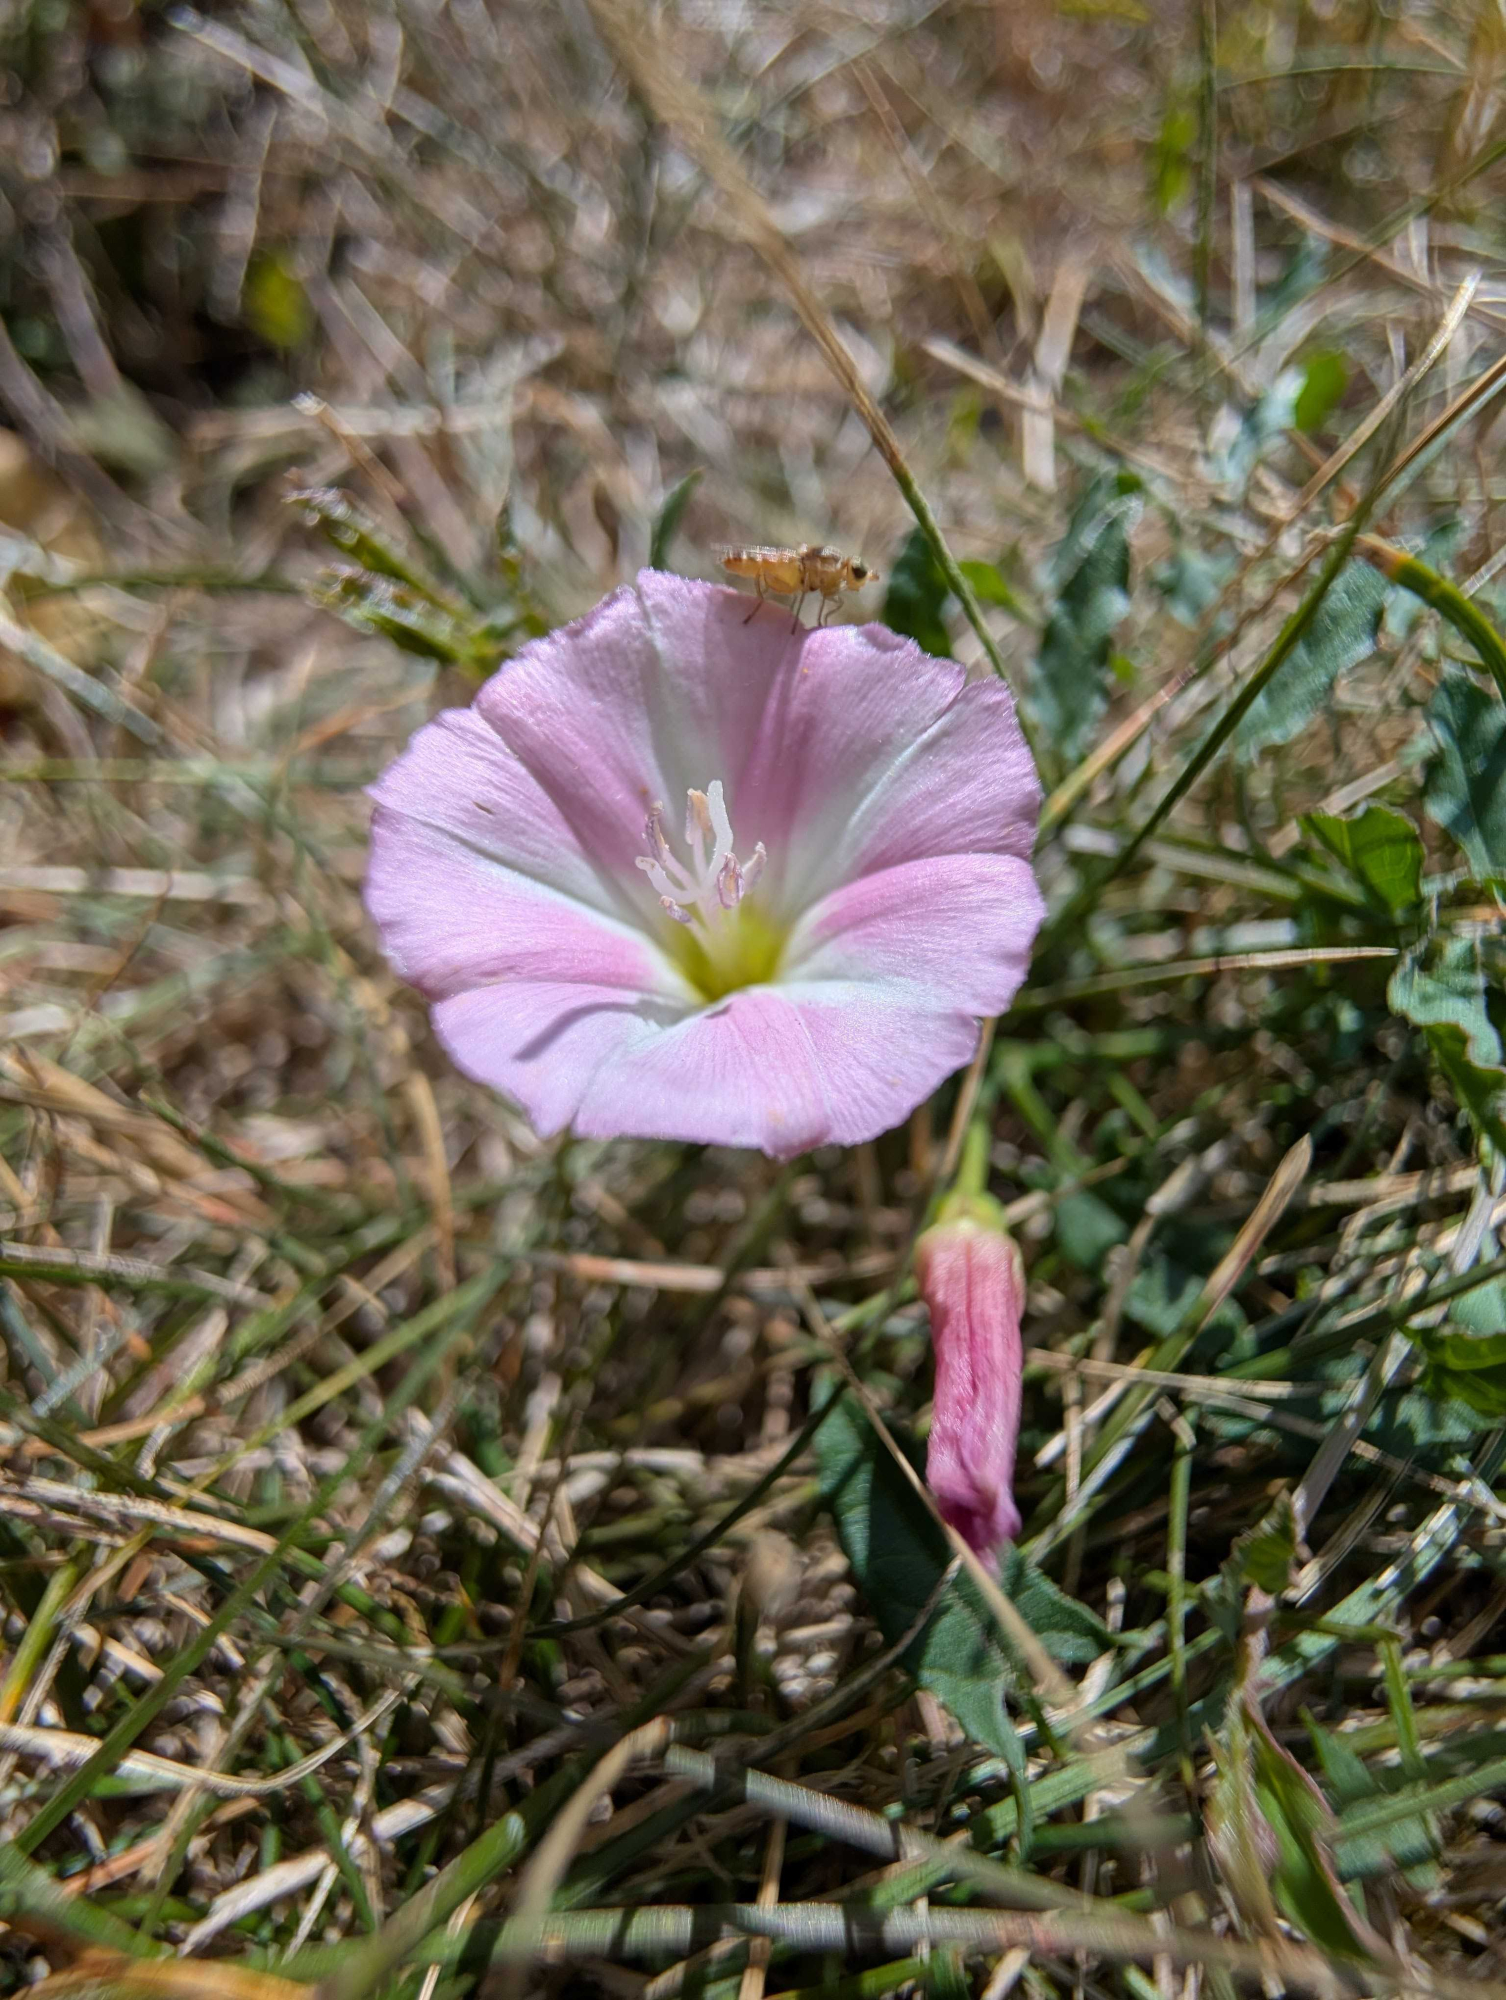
x=1087, y=1229
x=1465, y=1358
x=898, y=1555
x=1163, y=1292
x=1480, y=1091
x=1447, y=990
x=1382, y=851
x=1091, y=574
x=667, y=520
x=915, y=599
x=1341, y=635
x=1190, y=581
x=1466, y=785
x=1325, y=377
x=1407, y=1844
x=1263, y=1555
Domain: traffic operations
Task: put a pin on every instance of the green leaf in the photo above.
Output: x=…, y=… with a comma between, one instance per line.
x=407, y=617
x=1406, y=1844
x=1270, y=1830
x=898, y=1555
x=1264, y=1554
x=1382, y=851
x=946, y=1975
x=1091, y=574
x=916, y=597
x=1341, y=635
x=1190, y=581
x=667, y=520
x=1446, y=989
x=1465, y=1358
x=1325, y=377
x=1465, y=792
x=352, y=531
x=1087, y=1229
x=1447, y=984
x=1304, y=1878
x=1171, y=158
x=991, y=586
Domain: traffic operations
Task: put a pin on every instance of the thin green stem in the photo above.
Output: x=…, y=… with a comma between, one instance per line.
x=1467, y=619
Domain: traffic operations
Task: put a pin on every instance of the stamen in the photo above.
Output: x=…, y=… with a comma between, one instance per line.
x=715, y=881
x=697, y=819
x=721, y=824
x=659, y=876
x=653, y=831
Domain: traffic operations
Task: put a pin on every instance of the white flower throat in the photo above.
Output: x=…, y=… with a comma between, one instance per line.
x=704, y=893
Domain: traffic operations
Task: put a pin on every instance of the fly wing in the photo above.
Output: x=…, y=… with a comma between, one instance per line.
x=777, y=569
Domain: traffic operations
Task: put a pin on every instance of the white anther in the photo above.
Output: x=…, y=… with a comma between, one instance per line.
x=697, y=820
x=653, y=831
x=721, y=825
x=714, y=882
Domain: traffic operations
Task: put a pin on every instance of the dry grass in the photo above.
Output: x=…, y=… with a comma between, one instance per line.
x=338, y=1411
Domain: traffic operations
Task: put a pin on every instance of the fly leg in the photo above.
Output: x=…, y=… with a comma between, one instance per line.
x=756, y=602
x=799, y=607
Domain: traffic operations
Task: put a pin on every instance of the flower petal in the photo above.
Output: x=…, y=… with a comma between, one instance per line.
x=542, y=1042
x=965, y=785
x=657, y=690
x=806, y=726
x=458, y=777
x=897, y=804
x=959, y=924
x=830, y=744
x=457, y=835
x=779, y=1068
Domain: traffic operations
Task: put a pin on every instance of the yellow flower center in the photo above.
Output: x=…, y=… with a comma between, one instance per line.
x=721, y=938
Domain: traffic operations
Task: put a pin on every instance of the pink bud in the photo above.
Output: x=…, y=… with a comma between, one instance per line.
x=971, y=1278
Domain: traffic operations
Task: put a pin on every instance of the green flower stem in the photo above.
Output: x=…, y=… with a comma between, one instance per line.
x=972, y=1171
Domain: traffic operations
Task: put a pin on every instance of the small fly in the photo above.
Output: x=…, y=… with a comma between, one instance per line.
x=796, y=573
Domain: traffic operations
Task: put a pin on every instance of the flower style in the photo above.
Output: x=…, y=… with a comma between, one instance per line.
x=971, y=1278
x=812, y=983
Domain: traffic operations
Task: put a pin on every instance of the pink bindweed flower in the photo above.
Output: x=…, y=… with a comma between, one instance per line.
x=677, y=876
x=971, y=1278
